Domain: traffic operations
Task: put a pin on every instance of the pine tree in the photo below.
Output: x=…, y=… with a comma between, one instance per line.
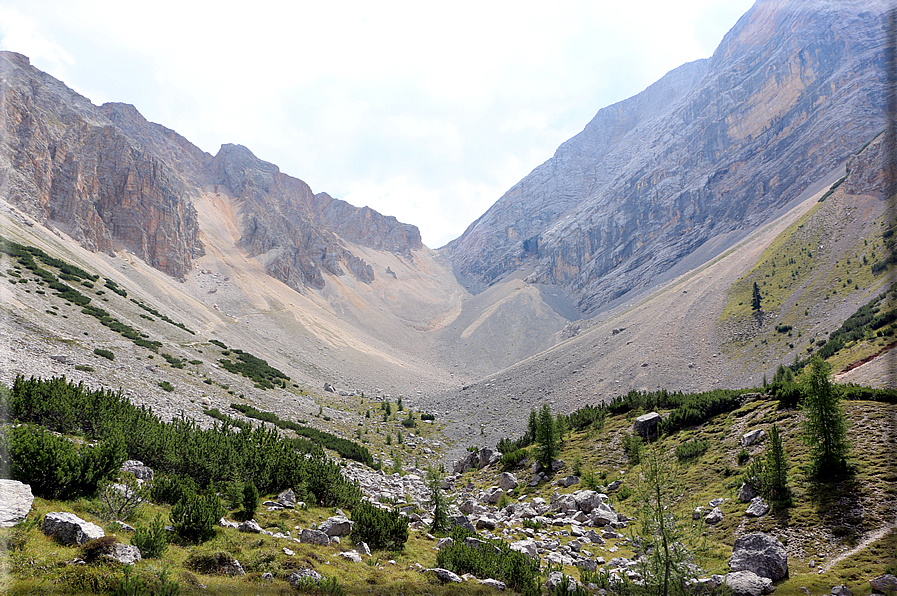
x=825, y=428
x=532, y=426
x=776, y=469
x=439, y=502
x=547, y=438
x=755, y=298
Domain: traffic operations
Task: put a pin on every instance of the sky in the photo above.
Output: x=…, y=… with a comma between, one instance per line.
x=422, y=110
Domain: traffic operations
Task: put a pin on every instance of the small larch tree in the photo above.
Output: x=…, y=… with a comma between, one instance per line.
x=756, y=303
x=825, y=427
x=547, y=438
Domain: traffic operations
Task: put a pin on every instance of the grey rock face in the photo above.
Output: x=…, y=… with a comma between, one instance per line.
x=646, y=425
x=15, y=502
x=287, y=499
x=760, y=553
x=652, y=178
x=250, y=527
x=69, y=529
x=746, y=583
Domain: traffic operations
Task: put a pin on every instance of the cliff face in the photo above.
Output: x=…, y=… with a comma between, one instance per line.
x=110, y=178
x=714, y=146
x=63, y=160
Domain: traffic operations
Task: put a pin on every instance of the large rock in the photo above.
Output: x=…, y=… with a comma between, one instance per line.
x=747, y=583
x=443, y=575
x=287, y=499
x=751, y=437
x=714, y=517
x=757, y=508
x=507, y=481
x=299, y=578
x=123, y=553
x=70, y=529
x=15, y=502
x=761, y=554
x=463, y=522
x=646, y=424
x=487, y=457
x=886, y=583
x=337, y=525
x=493, y=495
x=527, y=547
x=465, y=463
x=746, y=492
x=140, y=471
x=314, y=537
x=587, y=500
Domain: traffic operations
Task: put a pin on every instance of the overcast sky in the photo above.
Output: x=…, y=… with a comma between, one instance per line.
x=423, y=110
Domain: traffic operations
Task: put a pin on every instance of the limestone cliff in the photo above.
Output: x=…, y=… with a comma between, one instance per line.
x=713, y=147
x=112, y=179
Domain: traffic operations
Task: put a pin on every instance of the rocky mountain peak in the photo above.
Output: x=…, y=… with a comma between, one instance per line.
x=710, y=151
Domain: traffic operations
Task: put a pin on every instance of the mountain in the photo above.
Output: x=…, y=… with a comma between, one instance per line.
x=690, y=165
x=112, y=179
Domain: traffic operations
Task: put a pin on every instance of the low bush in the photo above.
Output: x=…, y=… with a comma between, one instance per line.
x=194, y=517
x=493, y=559
x=691, y=450
x=511, y=460
x=153, y=540
x=104, y=353
x=379, y=528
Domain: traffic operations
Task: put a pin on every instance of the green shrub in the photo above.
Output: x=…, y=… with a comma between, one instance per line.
x=104, y=353
x=53, y=466
x=136, y=586
x=691, y=450
x=121, y=499
x=250, y=500
x=153, y=540
x=743, y=457
x=92, y=550
x=171, y=489
x=494, y=559
x=166, y=386
x=632, y=445
x=194, y=517
x=379, y=528
x=511, y=460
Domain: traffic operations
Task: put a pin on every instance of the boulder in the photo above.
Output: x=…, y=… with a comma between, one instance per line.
x=250, y=527
x=507, y=481
x=465, y=463
x=746, y=492
x=443, y=575
x=287, y=499
x=587, y=500
x=527, y=547
x=15, y=502
x=486, y=523
x=70, y=529
x=351, y=555
x=884, y=583
x=747, y=583
x=462, y=521
x=314, y=537
x=762, y=554
x=614, y=485
x=487, y=457
x=570, y=481
x=123, y=553
x=301, y=577
x=749, y=438
x=140, y=471
x=444, y=543
x=493, y=583
x=336, y=526
x=841, y=590
x=714, y=517
x=604, y=515
x=757, y=508
x=556, y=577
x=364, y=549
x=646, y=425
x=493, y=495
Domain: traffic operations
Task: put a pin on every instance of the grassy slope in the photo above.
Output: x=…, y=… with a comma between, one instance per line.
x=811, y=278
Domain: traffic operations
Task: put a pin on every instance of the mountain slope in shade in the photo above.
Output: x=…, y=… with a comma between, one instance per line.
x=112, y=179
x=712, y=149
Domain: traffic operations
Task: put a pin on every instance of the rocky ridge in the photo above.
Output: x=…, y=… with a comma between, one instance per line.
x=791, y=91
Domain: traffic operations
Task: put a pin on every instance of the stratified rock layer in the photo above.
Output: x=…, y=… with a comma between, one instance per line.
x=711, y=149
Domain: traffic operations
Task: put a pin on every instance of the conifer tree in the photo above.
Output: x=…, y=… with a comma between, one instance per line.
x=825, y=427
x=546, y=437
x=755, y=298
x=776, y=469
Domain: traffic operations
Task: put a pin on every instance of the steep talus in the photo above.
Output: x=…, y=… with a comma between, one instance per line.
x=713, y=147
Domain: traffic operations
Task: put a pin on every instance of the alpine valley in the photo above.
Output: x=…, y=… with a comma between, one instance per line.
x=625, y=263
